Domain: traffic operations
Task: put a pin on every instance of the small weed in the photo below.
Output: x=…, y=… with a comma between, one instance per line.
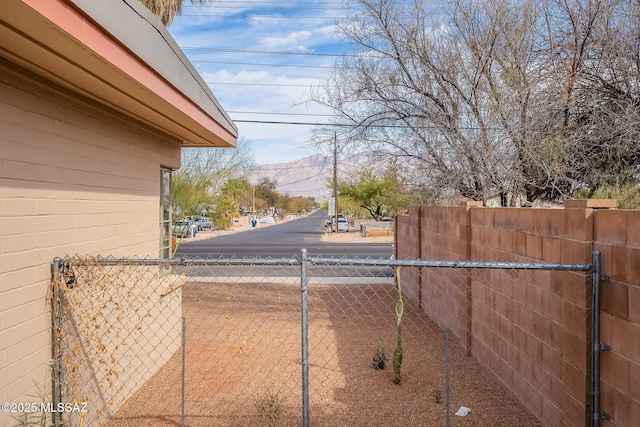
x=379, y=359
x=38, y=419
x=269, y=408
x=437, y=395
x=33, y=418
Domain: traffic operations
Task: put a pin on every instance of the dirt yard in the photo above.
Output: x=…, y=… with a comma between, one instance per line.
x=243, y=364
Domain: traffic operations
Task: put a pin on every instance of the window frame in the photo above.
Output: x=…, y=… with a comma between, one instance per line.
x=166, y=247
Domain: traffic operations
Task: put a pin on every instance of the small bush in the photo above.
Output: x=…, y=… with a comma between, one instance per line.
x=269, y=408
x=627, y=195
x=379, y=359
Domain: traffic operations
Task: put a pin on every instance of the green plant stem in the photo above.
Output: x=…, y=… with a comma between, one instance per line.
x=397, y=354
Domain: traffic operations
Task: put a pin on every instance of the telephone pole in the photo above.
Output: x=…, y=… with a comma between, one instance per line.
x=335, y=179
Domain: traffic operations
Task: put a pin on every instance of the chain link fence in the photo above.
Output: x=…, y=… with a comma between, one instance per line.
x=300, y=341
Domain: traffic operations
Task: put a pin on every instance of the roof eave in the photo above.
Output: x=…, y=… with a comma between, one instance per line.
x=117, y=53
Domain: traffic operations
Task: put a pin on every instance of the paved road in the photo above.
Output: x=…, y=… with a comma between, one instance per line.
x=283, y=240
x=286, y=240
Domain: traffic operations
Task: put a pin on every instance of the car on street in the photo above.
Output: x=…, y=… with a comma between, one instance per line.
x=201, y=222
x=267, y=220
x=184, y=228
x=343, y=225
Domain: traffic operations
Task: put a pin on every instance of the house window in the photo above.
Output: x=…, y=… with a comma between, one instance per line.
x=165, y=213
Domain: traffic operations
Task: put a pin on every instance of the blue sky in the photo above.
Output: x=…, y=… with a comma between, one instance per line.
x=263, y=57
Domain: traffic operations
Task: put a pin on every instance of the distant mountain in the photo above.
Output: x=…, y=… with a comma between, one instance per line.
x=309, y=177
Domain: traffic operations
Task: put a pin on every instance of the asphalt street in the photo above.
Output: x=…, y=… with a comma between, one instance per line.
x=285, y=239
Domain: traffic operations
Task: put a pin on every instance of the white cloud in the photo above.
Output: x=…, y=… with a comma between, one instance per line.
x=242, y=82
x=288, y=42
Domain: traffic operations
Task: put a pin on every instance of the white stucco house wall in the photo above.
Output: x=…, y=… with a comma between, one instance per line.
x=96, y=101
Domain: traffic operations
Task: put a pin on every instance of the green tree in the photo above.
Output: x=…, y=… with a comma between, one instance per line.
x=226, y=210
x=380, y=196
x=265, y=190
x=203, y=174
x=236, y=189
x=190, y=190
x=299, y=204
x=369, y=191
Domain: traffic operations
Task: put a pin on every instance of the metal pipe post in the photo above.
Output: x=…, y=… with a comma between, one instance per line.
x=446, y=375
x=184, y=354
x=56, y=350
x=305, y=338
x=595, y=340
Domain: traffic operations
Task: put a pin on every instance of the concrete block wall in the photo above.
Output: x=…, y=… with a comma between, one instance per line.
x=74, y=179
x=439, y=233
x=407, y=238
x=617, y=236
x=532, y=329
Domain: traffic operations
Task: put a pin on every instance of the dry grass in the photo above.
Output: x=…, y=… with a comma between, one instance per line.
x=243, y=364
x=378, y=233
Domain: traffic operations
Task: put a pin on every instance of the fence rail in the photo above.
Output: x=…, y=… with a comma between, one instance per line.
x=295, y=260
x=306, y=340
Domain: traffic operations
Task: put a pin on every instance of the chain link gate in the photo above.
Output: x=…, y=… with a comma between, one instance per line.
x=286, y=341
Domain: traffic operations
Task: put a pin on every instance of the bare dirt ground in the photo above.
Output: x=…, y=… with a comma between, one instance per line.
x=243, y=364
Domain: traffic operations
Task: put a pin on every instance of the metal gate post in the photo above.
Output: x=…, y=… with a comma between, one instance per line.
x=597, y=346
x=56, y=350
x=305, y=338
x=184, y=368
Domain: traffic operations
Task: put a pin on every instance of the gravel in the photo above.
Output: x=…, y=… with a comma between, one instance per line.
x=243, y=364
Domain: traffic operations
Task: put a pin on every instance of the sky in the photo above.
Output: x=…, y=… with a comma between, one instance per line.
x=260, y=59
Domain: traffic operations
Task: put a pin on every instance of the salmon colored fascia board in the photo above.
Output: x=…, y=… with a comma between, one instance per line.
x=71, y=21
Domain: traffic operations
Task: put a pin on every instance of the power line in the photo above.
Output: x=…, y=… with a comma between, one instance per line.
x=320, y=175
x=354, y=125
x=351, y=125
x=241, y=8
x=280, y=114
x=277, y=169
x=254, y=84
x=241, y=2
x=268, y=122
x=288, y=6
x=260, y=65
x=261, y=52
x=254, y=16
x=300, y=180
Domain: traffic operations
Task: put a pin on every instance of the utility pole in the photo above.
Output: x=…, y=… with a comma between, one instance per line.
x=335, y=179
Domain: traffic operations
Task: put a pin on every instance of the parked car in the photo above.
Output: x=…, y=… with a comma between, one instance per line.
x=267, y=220
x=343, y=225
x=185, y=228
x=202, y=222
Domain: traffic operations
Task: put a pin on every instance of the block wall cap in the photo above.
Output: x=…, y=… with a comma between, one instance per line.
x=591, y=203
x=472, y=203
